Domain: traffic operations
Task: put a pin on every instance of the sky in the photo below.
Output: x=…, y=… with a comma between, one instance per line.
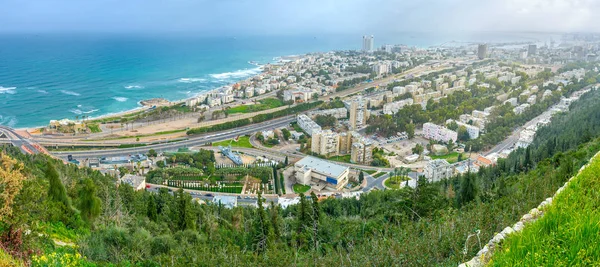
x=298, y=16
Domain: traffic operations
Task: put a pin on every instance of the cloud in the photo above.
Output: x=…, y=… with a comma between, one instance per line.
x=299, y=16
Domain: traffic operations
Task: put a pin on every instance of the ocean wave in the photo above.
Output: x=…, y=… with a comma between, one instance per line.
x=8, y=90
x=42, y=92
x=77, y=111
x=120, y=99
x=191, y=80
x=134, y=86
x=69, y=93
x=238, y=74
x=9, y=121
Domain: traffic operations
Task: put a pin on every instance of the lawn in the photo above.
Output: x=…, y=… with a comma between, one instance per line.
x=450, y=157
x=298, y=188
x=391, y=182
x=265, y=104
x=568, y=233
x=243, y=141
x=344, y=158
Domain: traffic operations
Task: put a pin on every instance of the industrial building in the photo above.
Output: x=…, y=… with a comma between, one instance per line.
x=312, y=169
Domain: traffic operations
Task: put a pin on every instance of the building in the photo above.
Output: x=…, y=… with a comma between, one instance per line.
x=368, y=44
x=345, y=143
x=472, y=130
x=338, y=113
x=532, y=50
x=318, y=170
x=482, y=51
x=307, y=124
x=359, y=115
x=394, y=107
x=437, y=170
x=381, y=68
x=135, y=181
x=438, y=133
x=325, y=143
x=362, y=153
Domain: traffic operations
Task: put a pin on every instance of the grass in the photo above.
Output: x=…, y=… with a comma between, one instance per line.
x=131, y=145
x=94, y=128
x=343, y=158
x=243, y=141
x=379, y=174
x=450, y=157
x=391, y=182
x=298, y=188
x=265, y=104
x=568, y=234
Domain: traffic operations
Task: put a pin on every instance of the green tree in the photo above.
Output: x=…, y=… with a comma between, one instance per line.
x=361, y=177
x=151, y=208
x=463, y=134
x=418, y=149
x=468, y=189
x=56, y=191
x=260, y=227
x=89, y=204
x=410, y=130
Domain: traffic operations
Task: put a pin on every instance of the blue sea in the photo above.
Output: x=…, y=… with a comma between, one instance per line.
x=56, y=76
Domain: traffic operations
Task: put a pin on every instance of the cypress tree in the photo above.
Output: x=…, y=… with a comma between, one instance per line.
x=90, y=204
x=151, y=209
x=56, y=191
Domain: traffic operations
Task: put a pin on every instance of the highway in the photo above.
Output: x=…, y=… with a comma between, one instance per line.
x=25, y=145
x=192, y=141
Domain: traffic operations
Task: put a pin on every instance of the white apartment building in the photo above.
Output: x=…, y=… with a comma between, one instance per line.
x=394, y=107
x=338, y=113
x=438, y=133
x=472, y=130
x=307, y=124
x=438, y=169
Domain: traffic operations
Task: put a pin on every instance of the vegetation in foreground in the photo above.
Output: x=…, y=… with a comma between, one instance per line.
x=242, y=141
x=568, y=234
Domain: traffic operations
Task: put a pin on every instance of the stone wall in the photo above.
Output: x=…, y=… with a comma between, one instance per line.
x=485, y=254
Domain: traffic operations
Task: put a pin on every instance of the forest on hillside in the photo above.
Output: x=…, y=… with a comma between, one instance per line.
x=56, y=215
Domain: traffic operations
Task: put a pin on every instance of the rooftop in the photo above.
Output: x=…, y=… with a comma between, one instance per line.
x=322, y=166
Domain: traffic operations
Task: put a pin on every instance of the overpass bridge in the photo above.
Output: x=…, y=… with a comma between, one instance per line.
x=10, y=136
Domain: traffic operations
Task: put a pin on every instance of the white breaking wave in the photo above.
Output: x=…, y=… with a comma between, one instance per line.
x=8, y=121
x=238, y=74
x=191, y=80
x=7, y=90
x=69, y=93
x=42, y=91
x=133, y=86
x=79, y=111
x=120, y=99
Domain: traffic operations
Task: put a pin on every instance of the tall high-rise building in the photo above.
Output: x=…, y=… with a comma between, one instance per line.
x=482, y=51
x=532, y=50
x=353, y=114
x=368, y=44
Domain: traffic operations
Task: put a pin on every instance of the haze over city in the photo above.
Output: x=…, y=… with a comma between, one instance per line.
x=218, y=17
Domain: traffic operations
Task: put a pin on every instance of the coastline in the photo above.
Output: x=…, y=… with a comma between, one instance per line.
x=141, y=107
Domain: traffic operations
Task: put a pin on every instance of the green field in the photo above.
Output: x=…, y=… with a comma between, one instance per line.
x=243, y=141
x=265, y=104
x=298, y=188
x=450, y=157
x=568, y=233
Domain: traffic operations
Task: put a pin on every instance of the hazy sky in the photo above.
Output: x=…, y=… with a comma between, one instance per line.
x=298, y=16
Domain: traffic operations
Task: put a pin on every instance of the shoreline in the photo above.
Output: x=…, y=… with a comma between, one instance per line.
x=142, y=107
